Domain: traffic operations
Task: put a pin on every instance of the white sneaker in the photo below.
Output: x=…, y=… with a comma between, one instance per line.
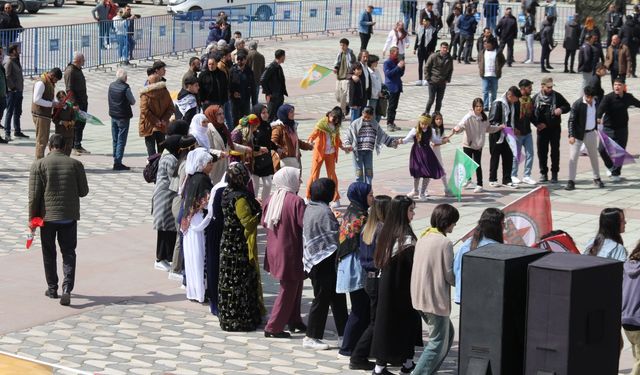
x=515, y=180
x=529, y=181
x=469, y=185
x=512, y=185
x=175, y=276
x=423, y=197
x=335, y=204
x=315, y=344
x=425, y=83
x=162, y=266
x=413, y=194
x=418, y=83
x=529, y=61
x=608, y=172
x=616, y=178
x=494, y=184
x=478, y=189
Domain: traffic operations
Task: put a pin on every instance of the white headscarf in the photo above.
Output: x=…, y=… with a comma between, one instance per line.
x=197, y=159
x=198, y=131
x=287, y=179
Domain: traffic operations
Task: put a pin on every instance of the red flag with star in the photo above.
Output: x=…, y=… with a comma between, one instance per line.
x=526, y=219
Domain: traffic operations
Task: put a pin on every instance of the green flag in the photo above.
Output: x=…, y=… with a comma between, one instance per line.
x=463, y=169
x=88, y=118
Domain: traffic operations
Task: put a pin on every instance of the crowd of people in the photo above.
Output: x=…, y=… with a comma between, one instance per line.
x=225, y=165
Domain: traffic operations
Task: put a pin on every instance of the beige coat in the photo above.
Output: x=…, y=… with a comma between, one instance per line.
x=156, y=108
x=432, y=275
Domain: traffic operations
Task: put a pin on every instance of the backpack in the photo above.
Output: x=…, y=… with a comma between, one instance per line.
x=151, y=169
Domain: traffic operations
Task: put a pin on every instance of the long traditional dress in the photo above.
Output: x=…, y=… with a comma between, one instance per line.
x=239, y=288
x=213, y=235
x=163, y=219
x=423, y=162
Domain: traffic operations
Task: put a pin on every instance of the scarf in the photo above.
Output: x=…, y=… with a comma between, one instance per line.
x=283, y=116
x=400, y=35
x=430, y=230
x=197, y=185
x=186, y=103
x=333, y=132
x=210, y=112
x=319, y=234
x=244, y=127
x=286, y=180
x=526, y=107
x=357, y=194
x=200, y=132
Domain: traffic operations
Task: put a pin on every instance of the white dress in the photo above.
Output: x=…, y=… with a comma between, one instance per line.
x=193, y=245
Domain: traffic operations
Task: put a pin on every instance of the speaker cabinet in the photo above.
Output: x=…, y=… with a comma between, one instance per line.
x=493, y=307
x=573, y=315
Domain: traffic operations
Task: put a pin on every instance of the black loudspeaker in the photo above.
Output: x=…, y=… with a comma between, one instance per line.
x=573, y=315
x=493, y=307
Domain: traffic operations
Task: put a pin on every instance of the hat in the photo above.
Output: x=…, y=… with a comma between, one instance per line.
x=525, y=83
x=547, y=81
x=242, y=54
x=158, y=64
x=190, y=80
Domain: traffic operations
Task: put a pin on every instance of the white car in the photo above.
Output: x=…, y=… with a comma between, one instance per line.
x=233, y=8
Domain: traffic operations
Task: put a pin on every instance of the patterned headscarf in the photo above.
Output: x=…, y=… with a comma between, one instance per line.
x=238, y=176
x=357, y=194
x=245, y=124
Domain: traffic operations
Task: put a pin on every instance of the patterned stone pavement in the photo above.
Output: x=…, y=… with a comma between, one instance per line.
x=131, y=334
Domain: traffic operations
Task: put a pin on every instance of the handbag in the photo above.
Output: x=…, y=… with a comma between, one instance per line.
x=381, y=107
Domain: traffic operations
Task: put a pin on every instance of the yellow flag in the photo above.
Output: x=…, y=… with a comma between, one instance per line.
x=314, y=75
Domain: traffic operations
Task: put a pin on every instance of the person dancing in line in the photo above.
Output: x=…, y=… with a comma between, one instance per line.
x=437, y=140
x=423, y=162
x=325, y=150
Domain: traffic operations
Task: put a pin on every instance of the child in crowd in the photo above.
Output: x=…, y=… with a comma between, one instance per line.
x=437, y=140
x=64, y=119
x=423, y=162
x=475, y=124
x=357, y=92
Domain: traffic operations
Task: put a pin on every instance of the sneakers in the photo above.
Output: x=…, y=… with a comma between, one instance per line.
x=528, y=62
x=80, y=151
x=598, y=182
x=162, y=265
x=515, y=180
x=528, y=180
x=384, y=372
x=423, y=197
x=425, y=83
x=494, y=184
x=120, y=167
x=570, y=185
x=554, y=178
x=413, y=194
x=544, y=178
x=335, y=204
x=8, y=138
x=512, y=185
x=616, y=178
x=175, y=276
x=20, y=135
x=65, y=300
x=393, y=128
x=608, y=172
x=277, y=335
x=407, y=370
x=419, y=82
x=478, y=189
x=468, y=185
x=2, y=140
x=315, y=344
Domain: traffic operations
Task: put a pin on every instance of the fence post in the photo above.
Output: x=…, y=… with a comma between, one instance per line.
x=273, y=23
x=193, y=47
x=251, y=15
x=37, y=49
x=326, y=14
x=173, y=48
x=350, y=13
x=150, y=36
x=300, y=18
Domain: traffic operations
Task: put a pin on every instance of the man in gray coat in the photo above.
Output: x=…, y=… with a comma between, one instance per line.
x=56, y=184
x=101, y=14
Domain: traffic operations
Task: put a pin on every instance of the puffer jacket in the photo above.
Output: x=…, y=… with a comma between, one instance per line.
x=56, y=184
x=156, y=107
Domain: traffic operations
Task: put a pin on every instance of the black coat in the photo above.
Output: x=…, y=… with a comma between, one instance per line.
x=587, y=58
x=273, y=82
x=507, y=29
x=263, y=164
x=398, y=327
x=578, y=119
x=214, y=87
x=357, y=93
x=629, y=35
x=542, y=113
x=571, y=36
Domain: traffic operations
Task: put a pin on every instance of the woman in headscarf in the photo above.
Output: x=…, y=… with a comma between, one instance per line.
x=243, y=135
x=163, y=220
x=284, y=134
x=282, y=217
x=213, y=235
x=240, y=305
x=351, y=275
x=195, y=219
x=263, y=163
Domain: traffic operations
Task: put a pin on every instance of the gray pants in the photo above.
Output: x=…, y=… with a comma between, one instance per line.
x=591, y=143
x=177, y=265
x=529, y=39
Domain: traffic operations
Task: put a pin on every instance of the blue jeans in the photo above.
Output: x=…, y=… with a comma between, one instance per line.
x=489, y=88
x=363, y=164
x=123, y=46
x=355, y=113
x=14, y=111
x=491, y=23
x=527, y=142
x=439, y=344
x=119, y=132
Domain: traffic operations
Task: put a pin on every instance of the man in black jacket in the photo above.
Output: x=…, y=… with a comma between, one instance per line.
x=120, y=99
x=615, y=121
x=630, y=36
x=507, y=31
x=274, y=85
x=503, y=112
x=214, y=85
x=548, y=107
x=583, y=130
x=613, y=22
x=587, y=58
x=241, y=86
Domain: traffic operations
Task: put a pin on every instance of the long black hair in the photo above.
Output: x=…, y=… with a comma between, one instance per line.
x=489, y=226
x=396, y=226
x=609, y=228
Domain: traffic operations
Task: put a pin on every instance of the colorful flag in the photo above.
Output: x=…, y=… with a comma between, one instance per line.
x=619, y=156
x=88, y=118
x=511, y=139
x=526, y=219
x=559, y=243
x=314, y=75
x=463, y=169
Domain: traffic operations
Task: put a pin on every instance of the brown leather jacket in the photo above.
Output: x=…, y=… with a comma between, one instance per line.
x=624, y=59
x=156, y=107
x=280, y=137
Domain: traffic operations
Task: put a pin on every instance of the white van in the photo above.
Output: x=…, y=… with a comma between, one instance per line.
x=233, y=8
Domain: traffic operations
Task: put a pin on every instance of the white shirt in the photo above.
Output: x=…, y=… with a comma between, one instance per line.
x=392, y=41
x=38, y=90
x=591, y=115
x=490, y=63
x=376, y=83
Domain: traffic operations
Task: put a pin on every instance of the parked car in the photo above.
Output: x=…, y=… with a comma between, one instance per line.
x=121, y=3
x=233, y=8
x=31, y=6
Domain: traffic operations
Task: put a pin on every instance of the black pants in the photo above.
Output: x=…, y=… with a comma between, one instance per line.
x=509, y=45
x=466, y=46
x=358, y=321
x=476, y=155
x=634, y=52
x=620, y=136
x=569, y=54
x=436, y=92
x=78, y=129
x=323, y=279
x=422, y=58
x=614, y=75
x=361, y=352
x=364, y=41
x=240, y=108
x=67, y=235
x=152, y=140
x=394, y=98
x=455, y=41
x=272, y=107
x=165, y=244
x=546, y=52
x=549, y=136
x=500, y=150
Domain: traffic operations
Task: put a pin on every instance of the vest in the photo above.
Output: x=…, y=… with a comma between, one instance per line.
x=38, y=110
x=119, y=106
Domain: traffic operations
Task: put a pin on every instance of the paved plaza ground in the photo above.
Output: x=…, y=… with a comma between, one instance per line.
x=127, y=318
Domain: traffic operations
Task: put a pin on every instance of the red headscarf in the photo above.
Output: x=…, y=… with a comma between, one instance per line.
x=210, y=112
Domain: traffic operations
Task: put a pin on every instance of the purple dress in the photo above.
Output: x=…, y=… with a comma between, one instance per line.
x=423, y=162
